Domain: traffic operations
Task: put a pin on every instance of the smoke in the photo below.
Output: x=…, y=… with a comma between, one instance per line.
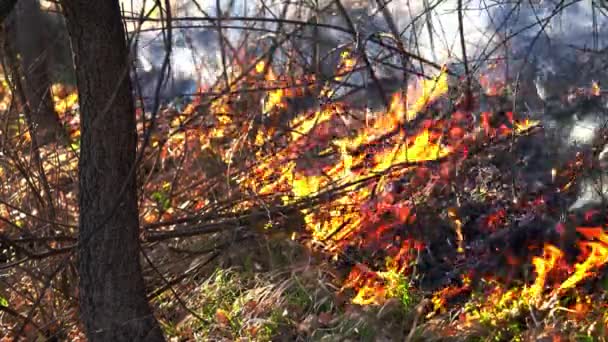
x=553, y=35
x=552, y=48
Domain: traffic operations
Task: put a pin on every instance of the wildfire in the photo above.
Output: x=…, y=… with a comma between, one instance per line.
x=366, y=282
x=492, y=80
x=425, y=91
x=350, y=217
x=346, y=65
x=526, y=124
x=304, y=124
x=260, y=66
x=595, y=89
x=543, y=265
x=420, y=149
x=321, y=151
x=274, y=98
x=595, y=254
x=453, y=215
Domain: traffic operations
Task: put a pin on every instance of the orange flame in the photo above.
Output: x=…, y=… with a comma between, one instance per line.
x=543, y=265
x=596, y=256
x=595, y=89
x=346, y=65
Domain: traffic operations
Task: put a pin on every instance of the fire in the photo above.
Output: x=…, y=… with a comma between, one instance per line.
x=346, y=65
x=260, y=66
x=492, y=80
x=393, y=117
x=426, y=91
x=321, y=151
x=62, y=104
x=276, y=97
x=526, y=124
x=594, y=255
x=595, y=252
x=597, y=255
x=364, y=281
x=591, y=233
x=282, y=88
x=453, y=215
x=543, y=265
x=304, y=124
x=349, y=217
x=374, y=288
x=496, y=219
x=420, y=149
x=441, y=297
x=595, y=89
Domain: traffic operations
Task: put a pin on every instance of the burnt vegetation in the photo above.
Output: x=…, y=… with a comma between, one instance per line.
x=308, y=170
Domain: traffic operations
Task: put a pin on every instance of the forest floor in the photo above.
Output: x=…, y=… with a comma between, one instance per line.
x=418, y=223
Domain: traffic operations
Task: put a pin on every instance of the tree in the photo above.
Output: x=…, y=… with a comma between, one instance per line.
x=113, y=303
x=6, y=7
x=29, y=41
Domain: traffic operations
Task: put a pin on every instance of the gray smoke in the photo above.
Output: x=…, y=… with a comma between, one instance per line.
x=553, y=48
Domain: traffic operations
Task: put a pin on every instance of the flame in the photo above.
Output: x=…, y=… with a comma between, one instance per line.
x=591, y=233
x=596, y=256
x=421, y=149
x=453, y=215
x=492, y=80
x=283, y=88
x=595, y=89
x=260, y=66
x=525, y=125
x=365, y=282
x=275, y=98
x=361, y=214
x=346, y=65
x=426, y=91
x=345, y=217
x=543, y=265
x=374, y=288
x=304, y=124
x=496, y=219
x=441, y=297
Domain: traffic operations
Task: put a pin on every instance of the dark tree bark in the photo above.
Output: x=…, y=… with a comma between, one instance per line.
x=6, y=7
x=113, y=304
x=29, y=40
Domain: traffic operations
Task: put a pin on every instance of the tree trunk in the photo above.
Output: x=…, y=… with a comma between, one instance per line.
x=113, y=304
x=6, y=7
x=30, y=42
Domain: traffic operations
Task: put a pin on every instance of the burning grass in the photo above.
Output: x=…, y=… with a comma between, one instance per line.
x=293, y=301
x=383, y=185
x=414, y=203
x=421, y=218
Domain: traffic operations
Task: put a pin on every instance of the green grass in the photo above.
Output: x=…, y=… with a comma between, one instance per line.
x=238, y=304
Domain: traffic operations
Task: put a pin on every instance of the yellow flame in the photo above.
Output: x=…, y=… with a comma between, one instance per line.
x=595, y=89
x=304, y=124
x=421, y=150
x=524, y=125
x=597, y=256
x=426, y=91
x=543, y=265
x=346, y=65
x=453, y=215
x=260, y=66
